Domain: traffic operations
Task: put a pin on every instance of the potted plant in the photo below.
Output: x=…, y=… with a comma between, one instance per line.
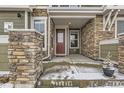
x=108, y=66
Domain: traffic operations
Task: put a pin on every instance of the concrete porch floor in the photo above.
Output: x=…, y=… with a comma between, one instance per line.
x=75, y=58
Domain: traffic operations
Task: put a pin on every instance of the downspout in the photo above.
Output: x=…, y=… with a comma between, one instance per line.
x=49, y=39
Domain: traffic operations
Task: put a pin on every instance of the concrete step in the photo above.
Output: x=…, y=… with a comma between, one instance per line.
x=80, y=83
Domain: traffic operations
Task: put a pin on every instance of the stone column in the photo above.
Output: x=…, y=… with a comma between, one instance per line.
x=121, y=53
x=25, y=58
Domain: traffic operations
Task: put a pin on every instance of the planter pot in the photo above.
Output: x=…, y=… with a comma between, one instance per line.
x=108, y=71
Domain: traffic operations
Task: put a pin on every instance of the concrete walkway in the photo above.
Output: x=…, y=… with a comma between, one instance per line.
x=75, y=58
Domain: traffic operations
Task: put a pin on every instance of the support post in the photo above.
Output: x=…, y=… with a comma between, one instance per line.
x=113, y=20
x=107, y=20
x=26, y=20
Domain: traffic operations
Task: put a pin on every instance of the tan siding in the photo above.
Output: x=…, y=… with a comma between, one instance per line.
x=18, y=23
x=112, y=48
x=4, y=57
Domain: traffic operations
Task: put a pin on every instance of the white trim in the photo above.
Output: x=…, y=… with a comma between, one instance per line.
x=76, y=11
x=118, y=19
x=61, y=27
x=121, y=34
x=116, y=28
x=80, y=38
x=71, y=31
x=6, y=29
x=49, y=37
x=113, y=20
x=109, y=41
x=45, y=37
x=26, y=20
x=4, y=39
x=72, y=16
x=107, y=20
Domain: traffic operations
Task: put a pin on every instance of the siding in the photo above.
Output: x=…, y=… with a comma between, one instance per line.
x=10, y=16
x=4, y=57
x=112, y=48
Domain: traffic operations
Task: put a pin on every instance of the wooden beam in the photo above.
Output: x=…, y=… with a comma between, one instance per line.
x=107, y=20
x=113, y=20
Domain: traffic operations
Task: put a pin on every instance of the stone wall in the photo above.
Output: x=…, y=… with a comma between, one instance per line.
x=25, y=57
x=41, y=13
x=88, y=41
x=100, y=34
x=92, y=34
x=121, y=53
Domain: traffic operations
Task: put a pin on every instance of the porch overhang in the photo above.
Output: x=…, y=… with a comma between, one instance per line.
x=15, y=8
x=71, y=21
x=73, y=16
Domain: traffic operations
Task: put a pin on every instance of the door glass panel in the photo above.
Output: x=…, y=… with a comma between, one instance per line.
x=74, y=39
x=60, y=37
x=74, y=43
x=74, y=36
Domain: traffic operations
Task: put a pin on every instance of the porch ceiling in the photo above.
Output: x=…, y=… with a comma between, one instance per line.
x=71, y=22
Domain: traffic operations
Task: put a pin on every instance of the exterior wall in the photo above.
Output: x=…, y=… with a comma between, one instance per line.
x=92, y=34
x=52, y=30
x=88, y=39
x=41, y=13
x=4, y=57
x=25, y=58
x=11, y=16
x=112, y=48
x=100, y=34
x=121, y=53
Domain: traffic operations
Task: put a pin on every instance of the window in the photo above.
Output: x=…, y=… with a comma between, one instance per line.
x=120, y=26
x=74, y=39
x=7, y=26
x=40, y=24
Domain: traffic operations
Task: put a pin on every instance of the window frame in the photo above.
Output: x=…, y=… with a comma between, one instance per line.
x=116, y=26
x=41, y=22
x=77, y=32
x=6, y=23
x=44, y=19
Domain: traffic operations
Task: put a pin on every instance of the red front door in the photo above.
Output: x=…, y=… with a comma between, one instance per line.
x=60, y=41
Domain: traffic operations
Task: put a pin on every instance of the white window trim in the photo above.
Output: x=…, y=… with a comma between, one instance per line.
x=118, y=19
x=45, y=29
x=71, y=31
x=5, y=24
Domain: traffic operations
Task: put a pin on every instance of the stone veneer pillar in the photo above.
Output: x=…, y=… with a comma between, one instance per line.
x=25, y=57
x=121, y=53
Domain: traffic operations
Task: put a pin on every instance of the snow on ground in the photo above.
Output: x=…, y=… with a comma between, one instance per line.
x=6, y=85
x=3, y=73
x=75, y=72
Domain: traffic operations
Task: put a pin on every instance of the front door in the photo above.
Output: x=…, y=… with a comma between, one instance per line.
x=60, y=41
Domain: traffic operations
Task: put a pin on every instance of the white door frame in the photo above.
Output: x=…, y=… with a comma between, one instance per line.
x=61, y=27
